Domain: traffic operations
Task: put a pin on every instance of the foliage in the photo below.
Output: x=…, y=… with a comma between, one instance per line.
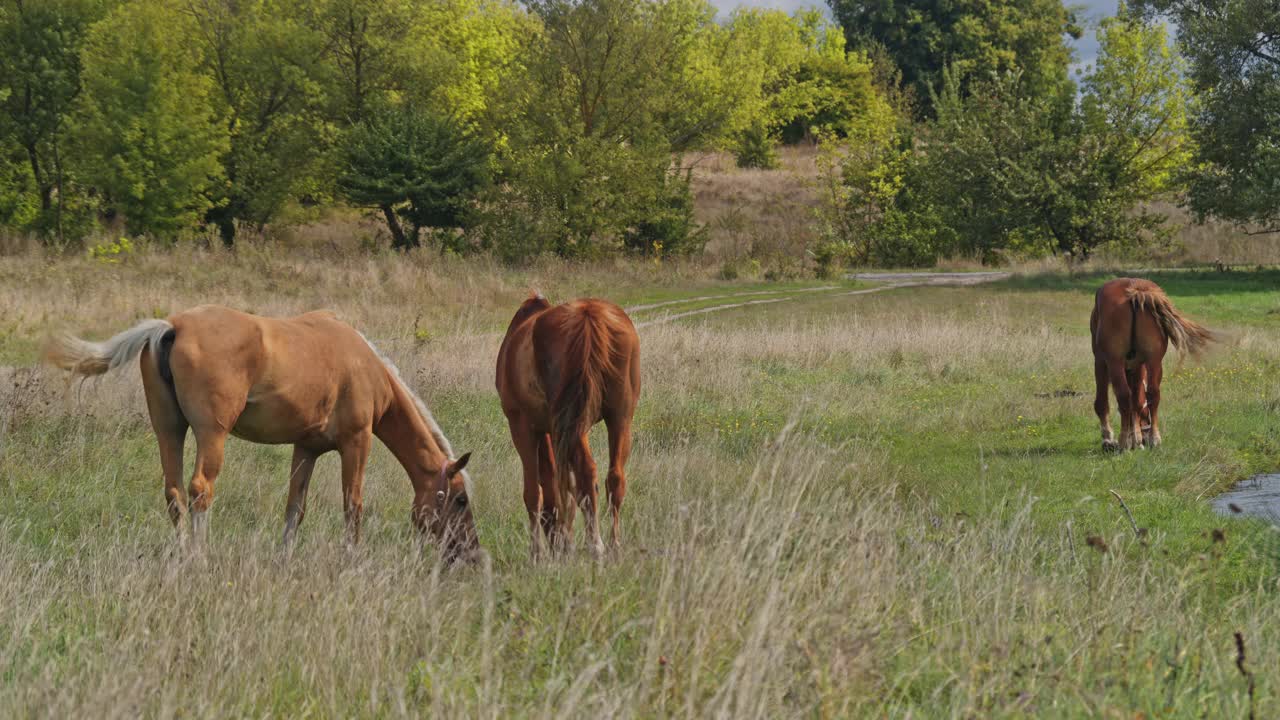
x=264, y=60
x=1004, y=169
x=665, y=224
x=412, y=165
x=112, y=252
x=789, y=78
x=612, y=91
x=1233, y=48
x=975, y=38
x=39, y=81
x=756, y=148
x=148, y=132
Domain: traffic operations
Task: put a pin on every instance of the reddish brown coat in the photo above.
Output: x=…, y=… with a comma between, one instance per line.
x=1131, y=327
x=560, y=371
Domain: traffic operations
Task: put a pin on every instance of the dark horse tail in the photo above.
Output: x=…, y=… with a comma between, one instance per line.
x=587, y=360
x=1183, y=333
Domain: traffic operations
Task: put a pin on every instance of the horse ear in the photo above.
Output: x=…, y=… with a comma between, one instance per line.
x=456, y=466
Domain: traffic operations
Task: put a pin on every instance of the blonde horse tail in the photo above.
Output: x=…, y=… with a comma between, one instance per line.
x=85, y=358
x=1186, y=335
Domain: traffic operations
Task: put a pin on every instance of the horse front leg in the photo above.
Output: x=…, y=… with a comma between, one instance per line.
x=355, y=455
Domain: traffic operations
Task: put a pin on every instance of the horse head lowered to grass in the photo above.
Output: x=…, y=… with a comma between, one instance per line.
x=1131, y=327
x=311, y=381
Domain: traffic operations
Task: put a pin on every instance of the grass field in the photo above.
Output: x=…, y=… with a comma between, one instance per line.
x=890, y=504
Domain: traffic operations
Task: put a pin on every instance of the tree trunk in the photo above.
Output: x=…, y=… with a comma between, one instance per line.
x=398, y=239
x=45, y=188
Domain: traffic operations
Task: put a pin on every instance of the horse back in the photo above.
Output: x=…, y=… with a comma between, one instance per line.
x=282, y=378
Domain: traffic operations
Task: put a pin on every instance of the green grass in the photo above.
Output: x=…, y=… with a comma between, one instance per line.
x=839, y=506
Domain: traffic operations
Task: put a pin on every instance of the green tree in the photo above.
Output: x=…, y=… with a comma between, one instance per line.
x=790, y=78
x=367, y=51
x=39, y=81
x=1003, y=169
x=1233, y=47
x=975, y=37
x=264, y=61
x=147, y=129
x=613, y=89
x=418, y=167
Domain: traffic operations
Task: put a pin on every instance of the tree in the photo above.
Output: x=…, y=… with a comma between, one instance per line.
x=419, y=167
x=39, y=81
x=791, y=78
x=1234, y=51
x=366, y=50
x=264, y=61
x=975, y=37
x=1002, y=169
x=147, y=129
x=613, y=89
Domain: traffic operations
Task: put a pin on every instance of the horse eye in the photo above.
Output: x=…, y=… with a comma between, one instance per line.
x=461, y=501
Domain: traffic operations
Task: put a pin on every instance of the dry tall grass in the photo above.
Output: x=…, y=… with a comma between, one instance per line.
x=777, y=571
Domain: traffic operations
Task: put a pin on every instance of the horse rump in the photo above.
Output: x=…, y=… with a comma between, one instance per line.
x=1183, y=333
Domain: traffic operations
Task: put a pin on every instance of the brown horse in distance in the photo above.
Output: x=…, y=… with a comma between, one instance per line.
x=311, y=381
x=1132, y=325
x=560, y=371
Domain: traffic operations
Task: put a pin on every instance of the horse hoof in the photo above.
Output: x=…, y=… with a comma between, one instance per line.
x=1110, y=446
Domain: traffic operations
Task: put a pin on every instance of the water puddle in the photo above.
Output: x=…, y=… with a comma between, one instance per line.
x=1259, y=497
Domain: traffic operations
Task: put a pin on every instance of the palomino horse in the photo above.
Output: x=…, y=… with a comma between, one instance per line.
x=311, y=381
x=561, y=370
x=1132, y=325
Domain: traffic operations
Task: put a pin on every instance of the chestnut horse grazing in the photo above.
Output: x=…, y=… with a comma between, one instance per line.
x=1132, y=325
x=311, y=381
x=561, y=370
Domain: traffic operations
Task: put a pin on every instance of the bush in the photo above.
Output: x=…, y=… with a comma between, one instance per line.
x=416, y=167
x=756, y=148
x=665, y=225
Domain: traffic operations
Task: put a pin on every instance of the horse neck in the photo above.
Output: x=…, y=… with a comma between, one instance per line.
x=406, y=434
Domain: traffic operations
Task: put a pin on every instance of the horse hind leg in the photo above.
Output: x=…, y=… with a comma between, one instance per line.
x=1154, y=376
x=300, y=469
x=1138, y=403
x=1125, y=402
x=170, y=427
x=1100, y=404
x=587, y=494
x=619, y=450
x=546, y=480
x=209, y=451
x=528, y=447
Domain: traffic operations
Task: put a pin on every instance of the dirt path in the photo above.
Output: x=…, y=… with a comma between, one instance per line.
x=892, y=281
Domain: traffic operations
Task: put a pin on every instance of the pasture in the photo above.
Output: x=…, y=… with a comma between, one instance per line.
x=887, y=504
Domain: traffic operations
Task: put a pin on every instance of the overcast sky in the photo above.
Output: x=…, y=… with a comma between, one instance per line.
x=1086, y=47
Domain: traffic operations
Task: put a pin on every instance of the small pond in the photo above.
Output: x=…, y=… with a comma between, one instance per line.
x=1259, y=497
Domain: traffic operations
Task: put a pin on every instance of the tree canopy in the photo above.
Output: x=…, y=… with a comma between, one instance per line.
x=1233, y=47
x=976, y=38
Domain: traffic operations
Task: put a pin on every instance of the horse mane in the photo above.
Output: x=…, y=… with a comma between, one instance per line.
x=425, y=414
